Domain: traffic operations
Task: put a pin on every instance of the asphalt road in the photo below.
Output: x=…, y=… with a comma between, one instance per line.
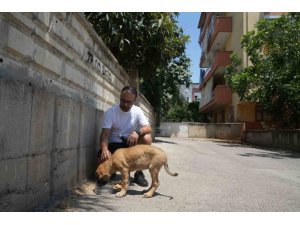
x=214, y=176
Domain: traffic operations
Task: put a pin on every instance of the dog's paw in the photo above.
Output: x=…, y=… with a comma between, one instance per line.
x=121, y=193
x=147, y=195
x=117, y=187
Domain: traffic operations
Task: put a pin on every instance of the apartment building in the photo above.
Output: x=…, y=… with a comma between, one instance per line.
x=220, y=36
x=191, y=93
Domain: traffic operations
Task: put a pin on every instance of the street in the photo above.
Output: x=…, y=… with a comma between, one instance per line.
x=214, y=176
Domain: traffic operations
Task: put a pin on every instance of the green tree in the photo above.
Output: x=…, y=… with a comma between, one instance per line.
x=162, y=90
x=273, y=79
x=195, y=115
x=142, y=41
x=151, y=43
x=184, y=111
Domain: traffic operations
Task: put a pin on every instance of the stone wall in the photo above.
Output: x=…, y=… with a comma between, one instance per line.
x=228, y=131
x=56, y=79
x=283, y=139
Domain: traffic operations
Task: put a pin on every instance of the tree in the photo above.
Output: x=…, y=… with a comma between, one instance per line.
x=162, y=90
x=186, y=112
x=151, y=43
x=143, y=41
x=273, y=79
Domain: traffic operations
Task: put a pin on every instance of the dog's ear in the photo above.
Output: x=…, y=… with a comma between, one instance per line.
x=105, y=171
x=111, y=170
x=97, y=174
x=101, y=171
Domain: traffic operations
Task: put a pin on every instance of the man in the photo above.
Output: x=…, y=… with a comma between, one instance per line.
x=125, y=125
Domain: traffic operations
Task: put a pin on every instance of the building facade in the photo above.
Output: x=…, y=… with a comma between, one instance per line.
x=220, y=36
x=191, y=93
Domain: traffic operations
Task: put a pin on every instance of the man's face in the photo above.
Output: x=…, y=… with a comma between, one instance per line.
x=126, y=100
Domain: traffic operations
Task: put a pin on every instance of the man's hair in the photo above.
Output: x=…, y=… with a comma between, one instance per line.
x=131, y=89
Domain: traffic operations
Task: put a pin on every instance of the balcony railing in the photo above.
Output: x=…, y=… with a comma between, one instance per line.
x=215, y=35
x=221, y=60
x=221, y=25
x=203, y=29
x=215, y=25
x=220, y=97
x=204, y=62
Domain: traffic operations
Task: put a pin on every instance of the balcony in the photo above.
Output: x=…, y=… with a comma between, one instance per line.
x=203, y=23
x=222, y=28
x=204, y=62
x=221, y=96
x=221, y=61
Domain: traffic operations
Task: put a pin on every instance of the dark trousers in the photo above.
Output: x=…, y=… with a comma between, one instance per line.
x=116, y=145
x=112, y=147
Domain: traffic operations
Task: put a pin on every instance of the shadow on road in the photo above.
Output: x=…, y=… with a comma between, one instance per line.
x=156, y=193
x=267, y=152
x=135, y=192
x=273, y=155
x=227, y=142
x=82, y=200
x=163, y=141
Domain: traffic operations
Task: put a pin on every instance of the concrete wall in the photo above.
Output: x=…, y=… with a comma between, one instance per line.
x=285, y=139
x=56, y=79
x=228, y=131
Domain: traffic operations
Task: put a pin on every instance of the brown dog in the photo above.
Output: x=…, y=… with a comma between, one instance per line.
x=138, y=157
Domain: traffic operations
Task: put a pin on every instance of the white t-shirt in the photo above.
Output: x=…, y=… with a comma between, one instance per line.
x=123, y=123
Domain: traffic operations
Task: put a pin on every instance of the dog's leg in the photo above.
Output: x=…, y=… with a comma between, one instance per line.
x=155, y=183
x=118, y=186
x=125, y=184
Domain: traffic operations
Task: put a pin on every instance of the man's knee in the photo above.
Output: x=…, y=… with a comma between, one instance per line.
x=145, y=139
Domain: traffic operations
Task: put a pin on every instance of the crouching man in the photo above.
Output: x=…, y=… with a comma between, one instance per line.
x=124, y=125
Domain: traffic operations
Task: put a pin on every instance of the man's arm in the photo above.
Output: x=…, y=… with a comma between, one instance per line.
x=145, y=130
x=104, y=144
x=136, y=134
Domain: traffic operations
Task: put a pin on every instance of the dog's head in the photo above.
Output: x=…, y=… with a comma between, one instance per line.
x=103, y=172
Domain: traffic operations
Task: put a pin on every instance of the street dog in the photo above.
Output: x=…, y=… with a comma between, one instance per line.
x=138, y=157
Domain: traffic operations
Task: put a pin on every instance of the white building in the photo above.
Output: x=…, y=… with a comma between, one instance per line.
x=192, y=93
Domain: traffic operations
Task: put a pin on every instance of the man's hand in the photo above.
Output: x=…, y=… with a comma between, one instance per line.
x=105, y=155
x=133, y=138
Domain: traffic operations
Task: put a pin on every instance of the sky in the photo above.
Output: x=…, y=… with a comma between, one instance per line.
x=189, y=23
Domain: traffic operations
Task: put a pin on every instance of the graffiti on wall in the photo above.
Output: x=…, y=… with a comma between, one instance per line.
x=99, y=66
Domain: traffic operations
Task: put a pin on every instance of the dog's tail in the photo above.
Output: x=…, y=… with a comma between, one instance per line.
x=168, y=171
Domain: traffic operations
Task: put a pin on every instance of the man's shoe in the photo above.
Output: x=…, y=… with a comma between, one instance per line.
x=101, y=182
x=113, y=176
x=139, y=179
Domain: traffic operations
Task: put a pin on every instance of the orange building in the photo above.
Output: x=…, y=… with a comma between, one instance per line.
x=220, y=36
